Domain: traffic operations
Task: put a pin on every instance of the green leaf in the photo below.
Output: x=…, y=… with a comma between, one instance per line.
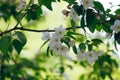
x=99, y=27
x=82, y=46
x=21, y=37
x=17, y=45
x=82, y=22
x=97, y=41
x=78, y=9
x=61, y=69
x=99, y=6
x=117, y=11
x=44, y=43
x=90, y=47
x=4, y=44
x=48, y=50
x=91, y=20
x=74, y=49
x=73, y=25
x=46, y=3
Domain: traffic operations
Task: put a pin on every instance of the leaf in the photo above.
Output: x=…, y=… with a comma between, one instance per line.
x=21, y=37
x=17, y=45
x=4, y=44
x=99, y=6
x=117, y=11
x=82, y=22
x=73, y=25
x=61, y=69
x=44, y=43
x=48, y=50
x=82, y=46
x=90, y=47
x=46, y=3
x=97, y=41
x=91, y=20
x=99, y=27
x=78, y=9
x=74, y=49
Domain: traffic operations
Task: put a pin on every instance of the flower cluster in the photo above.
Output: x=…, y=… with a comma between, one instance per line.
x=55, y=40
x=89, y=56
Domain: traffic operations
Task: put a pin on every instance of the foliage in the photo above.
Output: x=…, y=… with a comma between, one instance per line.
x=60, y=41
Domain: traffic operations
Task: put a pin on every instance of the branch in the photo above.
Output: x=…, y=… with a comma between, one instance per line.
x=30, y=30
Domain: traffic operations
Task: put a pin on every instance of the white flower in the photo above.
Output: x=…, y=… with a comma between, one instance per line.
x=65, y=12
x=72, y=43
x=74, y=15
x=87, y=3
x=63, y=50
x=60, y=31
x=22, y=5
x=54, y=41
x=45, y=36
x=81, y=55
x=116, y=26
x=91, y=57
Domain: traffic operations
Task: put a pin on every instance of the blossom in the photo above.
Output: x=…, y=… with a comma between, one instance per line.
x=63, y=50
x=22, y=5
x=116, y=26
x=87, y=3
x=60, y=31
x=81, y=55
x=91, y=57
x=73, y=14
x=54, y=41
x=45, y=36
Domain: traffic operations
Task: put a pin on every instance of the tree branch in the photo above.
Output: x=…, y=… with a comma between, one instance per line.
x=30, y=30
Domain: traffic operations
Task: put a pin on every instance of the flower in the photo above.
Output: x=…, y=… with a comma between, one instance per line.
x=87, y=3
x=63, y=50
x=45, y=36
x=60, y=31
x=81, y=55
x=116, y=26
x=91, y=57
x=54, y=41
x=22, y=5
x=73, y=14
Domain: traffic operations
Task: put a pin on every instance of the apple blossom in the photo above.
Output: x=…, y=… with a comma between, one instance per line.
x=22, y=5
x=87, y=3
x=45, y=36
x=116, y=26
x=60, y=31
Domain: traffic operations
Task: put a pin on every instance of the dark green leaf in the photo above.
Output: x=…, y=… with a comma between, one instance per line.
x=48, y=50
x=97, y=41
x=82, y=22
x=99, y=6
x=78, y=9
x=74, y=49
x=44, y=43
x=91, y=20
x=4, y=44
x=82, y=46
x=21, y=37
x=17, y=45
x=117, y=12
x=99, y=27
x=62, y=69
x=90, y=47
x=46, y=3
